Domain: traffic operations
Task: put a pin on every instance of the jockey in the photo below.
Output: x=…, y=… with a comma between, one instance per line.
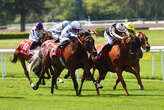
x=36, y=34
x=57, y=29
x=132, y=31
x=69, y=32
x=115, y=31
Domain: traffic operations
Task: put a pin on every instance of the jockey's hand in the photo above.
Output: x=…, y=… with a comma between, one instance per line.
x=125, y=37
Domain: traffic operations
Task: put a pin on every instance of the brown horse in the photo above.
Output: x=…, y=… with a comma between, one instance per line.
x=72, y=57
x=22, y=53
x=119, y=59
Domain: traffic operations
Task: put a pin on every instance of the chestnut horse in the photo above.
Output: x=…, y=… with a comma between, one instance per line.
x=119, y=59
x=72, y=57
x=22, y=53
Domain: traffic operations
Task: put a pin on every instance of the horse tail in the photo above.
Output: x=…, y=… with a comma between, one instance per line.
x=14, y=59
x=35, y=61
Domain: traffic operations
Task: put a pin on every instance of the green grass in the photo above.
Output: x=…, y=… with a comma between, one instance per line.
x=16, y=94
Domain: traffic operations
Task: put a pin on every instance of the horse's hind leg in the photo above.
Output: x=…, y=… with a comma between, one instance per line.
x=22, y=60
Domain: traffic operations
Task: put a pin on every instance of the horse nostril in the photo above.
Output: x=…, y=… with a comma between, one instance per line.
x=147, y=49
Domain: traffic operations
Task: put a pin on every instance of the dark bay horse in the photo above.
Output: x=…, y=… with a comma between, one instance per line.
x=119, y=59
x=73, y=56
x=22, y=53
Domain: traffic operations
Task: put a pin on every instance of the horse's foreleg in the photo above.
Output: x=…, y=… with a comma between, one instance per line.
x=117, y=81
x=67, y=75
x=74, y=81
x=54, y=78
x=22, y=60
x=120, y=77
x=97, y=85
x=101, y=76
x=137, y=74
x=53, y=74
x=82, y=81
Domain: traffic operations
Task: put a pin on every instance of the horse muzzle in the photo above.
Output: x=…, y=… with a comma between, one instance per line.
x=147, y=48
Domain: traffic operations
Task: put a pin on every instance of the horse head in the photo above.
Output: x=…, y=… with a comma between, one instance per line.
x=144, y=41
x=46, y=36
x=87, y=42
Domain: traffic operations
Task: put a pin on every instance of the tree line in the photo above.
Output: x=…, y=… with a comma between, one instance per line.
x=23, y=11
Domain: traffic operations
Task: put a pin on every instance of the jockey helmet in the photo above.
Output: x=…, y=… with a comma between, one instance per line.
x=75, y=25
x=120, y=27
x=39, y=25
x=130, y=26
x=65, y=23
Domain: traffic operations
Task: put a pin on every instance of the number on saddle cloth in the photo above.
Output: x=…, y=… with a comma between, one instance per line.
x=25, y=48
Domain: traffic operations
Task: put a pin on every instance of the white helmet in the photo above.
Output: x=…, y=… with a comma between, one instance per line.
x=75, y=25
x=120, y=27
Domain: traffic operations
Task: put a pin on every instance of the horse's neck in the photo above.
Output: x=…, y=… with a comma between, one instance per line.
x=77, y=46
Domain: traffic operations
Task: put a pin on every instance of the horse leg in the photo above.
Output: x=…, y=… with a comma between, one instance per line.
x=74, y=81
x=82, y=81
x=54, y=78
x=117, y=81
x=136, y=72
x=101, y=76
x=67, y=75
x=120, y=77
x=53, y=82
x=43, y=70
x=22, y=60
x=137, y=69
x=97, y=85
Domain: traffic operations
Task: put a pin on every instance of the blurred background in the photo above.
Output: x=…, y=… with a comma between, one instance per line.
x=21, y=14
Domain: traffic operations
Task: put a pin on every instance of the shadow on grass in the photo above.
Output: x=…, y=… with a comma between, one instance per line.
x=5, y=97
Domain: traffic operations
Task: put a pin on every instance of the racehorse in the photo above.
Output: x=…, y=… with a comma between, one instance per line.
x=22, y=53
x=72, y=57
x=119, y=59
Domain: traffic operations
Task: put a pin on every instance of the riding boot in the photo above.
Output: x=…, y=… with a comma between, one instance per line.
x=107, y=47
x=62, y=45
x=132, y=47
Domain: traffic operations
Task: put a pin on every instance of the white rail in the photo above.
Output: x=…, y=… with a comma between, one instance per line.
x=154, y=49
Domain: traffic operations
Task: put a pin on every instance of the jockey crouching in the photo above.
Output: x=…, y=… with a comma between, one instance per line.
x=57, y=29
x=69, y=32
x=36, y=35
x=135, y=42
x=111, y=33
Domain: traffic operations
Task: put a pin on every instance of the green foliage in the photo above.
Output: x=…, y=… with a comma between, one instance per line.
x=13, y=35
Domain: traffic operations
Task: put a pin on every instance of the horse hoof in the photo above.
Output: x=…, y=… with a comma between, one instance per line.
x=35, y=88
x=127, y=94
x=114, y=88
x=141, y=88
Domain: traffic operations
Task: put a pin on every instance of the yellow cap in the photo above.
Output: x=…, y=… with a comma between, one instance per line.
x=130, y=26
